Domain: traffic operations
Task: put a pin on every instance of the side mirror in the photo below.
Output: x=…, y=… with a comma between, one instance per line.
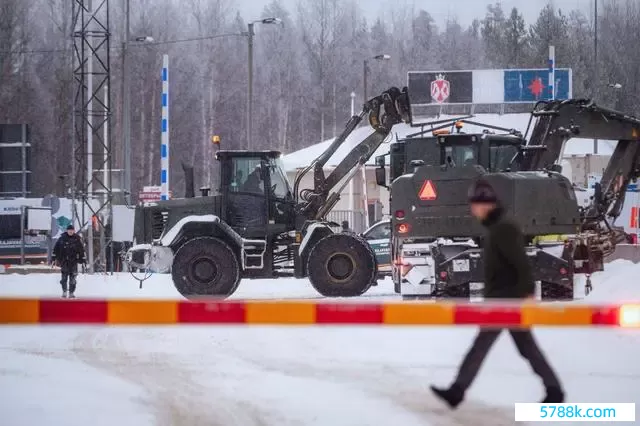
x=381, y=176
x=381, y=171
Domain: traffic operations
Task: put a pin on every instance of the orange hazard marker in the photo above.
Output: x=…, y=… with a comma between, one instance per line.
x=428, y=191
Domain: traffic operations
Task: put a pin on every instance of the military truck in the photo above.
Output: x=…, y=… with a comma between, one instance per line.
x=257, y=225
x=437, y=245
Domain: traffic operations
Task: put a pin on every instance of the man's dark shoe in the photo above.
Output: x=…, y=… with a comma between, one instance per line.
x=452, y=396
x=554, y=396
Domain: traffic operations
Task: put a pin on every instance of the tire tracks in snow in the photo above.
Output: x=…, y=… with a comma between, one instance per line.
x=395, y=385
x=177, y=398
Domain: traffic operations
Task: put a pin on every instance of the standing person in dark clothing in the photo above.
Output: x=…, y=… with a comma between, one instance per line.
x=67, y=253
x=507, y=276
x=345, y=227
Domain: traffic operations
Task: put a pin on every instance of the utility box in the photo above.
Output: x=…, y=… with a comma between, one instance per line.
x=583, y=166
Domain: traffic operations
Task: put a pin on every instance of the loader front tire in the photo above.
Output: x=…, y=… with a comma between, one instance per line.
x=341, y=265
x=205, y=267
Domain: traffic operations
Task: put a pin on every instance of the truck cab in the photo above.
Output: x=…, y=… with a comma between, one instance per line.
x=436, y=243
x=495, y=153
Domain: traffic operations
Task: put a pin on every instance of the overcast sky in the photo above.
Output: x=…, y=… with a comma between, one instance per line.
x=465, y=10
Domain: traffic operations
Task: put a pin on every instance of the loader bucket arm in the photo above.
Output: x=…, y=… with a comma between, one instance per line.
x=317, y=202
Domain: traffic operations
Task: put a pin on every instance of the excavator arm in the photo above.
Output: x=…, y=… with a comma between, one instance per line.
x=558, y=121
x=316, y=203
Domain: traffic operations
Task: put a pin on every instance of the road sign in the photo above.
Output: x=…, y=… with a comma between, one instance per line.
x=151, y=193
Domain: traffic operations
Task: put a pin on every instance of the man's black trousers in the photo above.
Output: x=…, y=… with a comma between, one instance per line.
x=69, y=273
x=526, y=345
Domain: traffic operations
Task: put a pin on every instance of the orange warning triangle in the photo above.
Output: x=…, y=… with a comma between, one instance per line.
x=428, y=191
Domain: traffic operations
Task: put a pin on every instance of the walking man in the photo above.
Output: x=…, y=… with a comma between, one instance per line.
x=507, y=276
x=67, y=253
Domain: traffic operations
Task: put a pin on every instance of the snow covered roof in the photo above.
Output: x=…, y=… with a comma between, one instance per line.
x=303, y=157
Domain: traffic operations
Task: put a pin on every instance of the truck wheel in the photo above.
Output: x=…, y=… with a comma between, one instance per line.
x=341, y=265
x=205, y=267
x=553, y=291
x=462, y=291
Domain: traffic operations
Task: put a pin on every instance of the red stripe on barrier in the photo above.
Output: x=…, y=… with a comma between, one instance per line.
x=487, y=315
x=73, y=311
x=338, y=313
x=606, y=316
x=211, y=312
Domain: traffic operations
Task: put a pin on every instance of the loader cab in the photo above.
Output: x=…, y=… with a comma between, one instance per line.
x=257, y=198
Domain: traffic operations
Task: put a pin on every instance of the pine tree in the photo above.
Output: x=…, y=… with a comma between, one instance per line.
x=515, y=40
x=493, y=34
x=551, y=28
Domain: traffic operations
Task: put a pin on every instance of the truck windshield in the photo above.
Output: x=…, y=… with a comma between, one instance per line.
x=459, y=155
x=502, y=156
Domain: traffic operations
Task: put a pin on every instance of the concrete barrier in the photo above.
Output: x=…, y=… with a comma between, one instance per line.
x=166, y=312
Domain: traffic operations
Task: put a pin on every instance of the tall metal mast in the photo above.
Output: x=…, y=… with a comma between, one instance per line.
x=92, y=166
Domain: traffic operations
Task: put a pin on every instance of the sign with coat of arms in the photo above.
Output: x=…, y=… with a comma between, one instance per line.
x=440, y=89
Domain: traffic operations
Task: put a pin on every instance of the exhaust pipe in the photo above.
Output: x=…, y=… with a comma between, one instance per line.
x=189, y=190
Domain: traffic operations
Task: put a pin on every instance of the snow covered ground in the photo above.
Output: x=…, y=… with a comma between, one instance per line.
x=338, y=376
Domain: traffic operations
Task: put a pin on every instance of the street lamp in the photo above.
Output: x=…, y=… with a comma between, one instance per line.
x=250, y=34
x=384, y=57
x=126, y=102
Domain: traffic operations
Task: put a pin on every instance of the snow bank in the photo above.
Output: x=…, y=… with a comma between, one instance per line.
x=159, y=286
x=618, y=283
x=303, y=157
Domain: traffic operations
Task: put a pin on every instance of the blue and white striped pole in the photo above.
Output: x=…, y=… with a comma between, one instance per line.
x=552, y=72
x=164, y=140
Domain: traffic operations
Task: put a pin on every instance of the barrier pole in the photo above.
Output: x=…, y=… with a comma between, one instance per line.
x=292, y=312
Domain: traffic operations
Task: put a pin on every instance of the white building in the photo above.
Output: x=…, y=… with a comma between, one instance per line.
x=363, y=189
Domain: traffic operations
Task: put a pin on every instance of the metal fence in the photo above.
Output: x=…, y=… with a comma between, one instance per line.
x=428, y=112
x=356, y=219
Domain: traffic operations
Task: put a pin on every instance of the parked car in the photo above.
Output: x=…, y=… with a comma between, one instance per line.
x=379, y=238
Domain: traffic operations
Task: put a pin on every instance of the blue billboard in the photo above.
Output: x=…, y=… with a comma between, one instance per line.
x=532, y=85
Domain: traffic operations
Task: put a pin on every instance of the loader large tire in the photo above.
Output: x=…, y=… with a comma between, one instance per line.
x=205, y=267
x=341, y=265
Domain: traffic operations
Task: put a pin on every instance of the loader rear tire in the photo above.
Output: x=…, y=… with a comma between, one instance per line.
x=205, y=267
x=341, y=265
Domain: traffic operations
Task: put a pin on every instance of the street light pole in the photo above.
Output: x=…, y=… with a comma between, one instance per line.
x=126, y=102
x=365, y=72
x=126, y=106
x=250, y=35
x=595, y=62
